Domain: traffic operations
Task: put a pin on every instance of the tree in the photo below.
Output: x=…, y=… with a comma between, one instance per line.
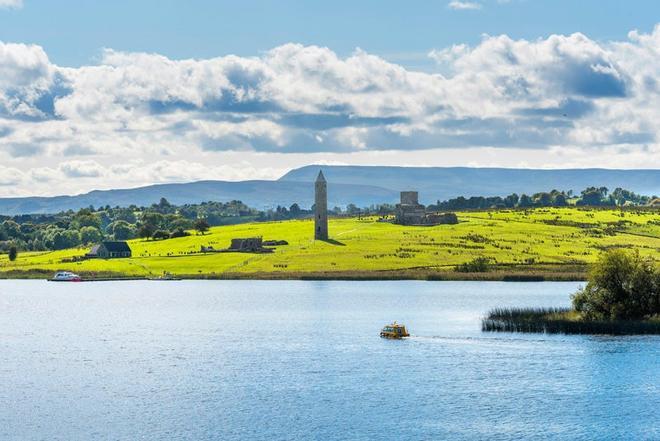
x=152, y=218
x=384, y=209
x=525, y=201
x=84, y=218
x=201, y=225
x=621, y=286
x=122, y=230
x=593, y=196
x=146, y=230
x=511, y=200
x=62, y=239
x=542, y=199
x=179, y=232
x=12, y=229
x=13, y=253
x=181, y=224
x=27, y=229
x=559, y=200
x=90, y=235
x=160, y=235
x=294, y=209
x=352, y=210
x=125, y=214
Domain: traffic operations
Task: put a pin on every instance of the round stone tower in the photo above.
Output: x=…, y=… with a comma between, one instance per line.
x=321, y=208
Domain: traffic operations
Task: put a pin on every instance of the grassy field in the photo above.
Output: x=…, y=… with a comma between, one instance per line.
x=553, y=243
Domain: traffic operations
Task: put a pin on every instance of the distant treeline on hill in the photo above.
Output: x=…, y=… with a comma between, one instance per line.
x=159, y=221
x=592, y=196
x=68, y=229
x=163, y=220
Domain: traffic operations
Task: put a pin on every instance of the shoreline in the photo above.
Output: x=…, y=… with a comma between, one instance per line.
x=572, y=275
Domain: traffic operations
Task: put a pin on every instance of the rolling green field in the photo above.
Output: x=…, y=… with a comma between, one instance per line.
x=553, y=243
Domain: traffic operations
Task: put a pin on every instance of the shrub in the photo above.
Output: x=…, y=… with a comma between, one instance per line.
x=160, y=235
x=622, y=286
x=477, y=265
x=13, y=253
x=179, y=232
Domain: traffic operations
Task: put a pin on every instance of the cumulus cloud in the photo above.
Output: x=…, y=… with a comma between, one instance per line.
x=81, y=169
x=564, y=91
x=463, y=5
x=26, y=79
x=19, y=150
x=10, y=176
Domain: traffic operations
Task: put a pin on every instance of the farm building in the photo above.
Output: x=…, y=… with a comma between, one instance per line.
x=110, y=250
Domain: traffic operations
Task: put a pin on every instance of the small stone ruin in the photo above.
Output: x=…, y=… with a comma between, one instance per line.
x=410, y=212
x=247, y=245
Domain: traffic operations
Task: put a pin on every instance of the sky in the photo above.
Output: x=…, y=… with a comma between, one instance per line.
x=97, y=95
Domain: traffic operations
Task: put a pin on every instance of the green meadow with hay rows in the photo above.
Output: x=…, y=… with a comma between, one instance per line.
x=549, y=243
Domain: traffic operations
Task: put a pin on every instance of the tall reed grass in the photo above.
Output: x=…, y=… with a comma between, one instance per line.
x=560, y=321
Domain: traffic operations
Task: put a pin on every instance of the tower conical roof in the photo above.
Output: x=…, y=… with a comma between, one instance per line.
x=320, y=177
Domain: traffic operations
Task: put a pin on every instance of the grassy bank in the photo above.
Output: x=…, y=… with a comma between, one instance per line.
x=506, y=274
x=561, y=321
x=541, y=244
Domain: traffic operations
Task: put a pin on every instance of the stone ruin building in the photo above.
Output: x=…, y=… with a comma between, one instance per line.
x=410, y=212
x=249, y=244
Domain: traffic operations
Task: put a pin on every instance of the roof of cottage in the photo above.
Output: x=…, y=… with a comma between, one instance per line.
x=116, y=246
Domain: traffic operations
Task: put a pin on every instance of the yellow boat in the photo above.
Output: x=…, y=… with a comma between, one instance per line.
x=394, y=330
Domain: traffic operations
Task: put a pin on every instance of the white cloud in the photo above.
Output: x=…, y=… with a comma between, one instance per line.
x=450, y=54
x=11, y=4
x=81, y=169
x=45, y=174
x=25, y=74
x=10, y=176
x=463, y=5
x=63, y=126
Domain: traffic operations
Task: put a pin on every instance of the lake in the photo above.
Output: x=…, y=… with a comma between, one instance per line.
x=289, y=360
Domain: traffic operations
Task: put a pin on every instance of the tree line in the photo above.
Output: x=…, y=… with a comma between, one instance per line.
x=91, y=225
x=591, y=196
x=87, y=226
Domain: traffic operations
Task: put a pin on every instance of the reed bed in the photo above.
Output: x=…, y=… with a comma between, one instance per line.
x=561, y=321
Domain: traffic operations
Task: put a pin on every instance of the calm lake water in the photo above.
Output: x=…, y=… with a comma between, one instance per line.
x=302, y=360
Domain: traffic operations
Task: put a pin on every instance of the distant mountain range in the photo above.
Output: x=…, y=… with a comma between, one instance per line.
x=360, y=185
x=439, y=183
x=256, y=194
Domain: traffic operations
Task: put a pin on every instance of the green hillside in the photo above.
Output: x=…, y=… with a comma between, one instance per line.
x=554, y=243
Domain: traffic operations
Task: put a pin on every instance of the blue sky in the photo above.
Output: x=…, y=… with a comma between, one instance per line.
x=100, y=94
x=73, y=31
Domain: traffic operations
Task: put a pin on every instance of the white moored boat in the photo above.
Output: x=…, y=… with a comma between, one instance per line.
x=66, y=276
